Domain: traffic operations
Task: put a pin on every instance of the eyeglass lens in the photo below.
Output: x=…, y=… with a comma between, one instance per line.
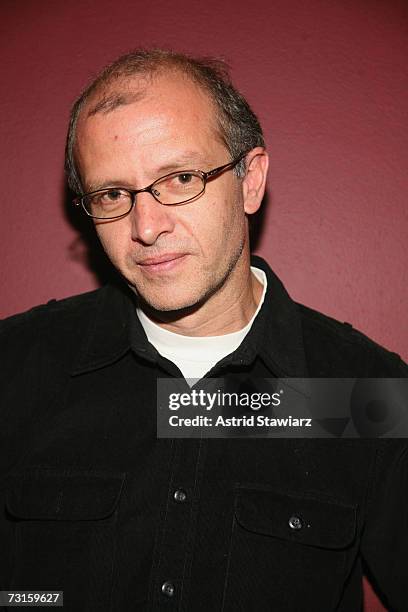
x=175, y=188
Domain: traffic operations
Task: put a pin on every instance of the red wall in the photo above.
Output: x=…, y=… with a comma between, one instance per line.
x=328, y=80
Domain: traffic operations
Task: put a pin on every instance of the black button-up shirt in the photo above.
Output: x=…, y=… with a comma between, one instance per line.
x=95, y=505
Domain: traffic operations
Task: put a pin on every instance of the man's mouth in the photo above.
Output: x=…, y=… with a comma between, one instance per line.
x=163, y=263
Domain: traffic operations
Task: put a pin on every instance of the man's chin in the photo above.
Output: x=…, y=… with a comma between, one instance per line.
x=168, y=309
x=173, y=303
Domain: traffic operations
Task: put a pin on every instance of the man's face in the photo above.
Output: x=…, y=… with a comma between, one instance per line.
x=173, y=256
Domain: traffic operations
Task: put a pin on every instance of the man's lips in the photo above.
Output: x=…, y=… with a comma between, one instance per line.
x=151, y=261
x=163, y=262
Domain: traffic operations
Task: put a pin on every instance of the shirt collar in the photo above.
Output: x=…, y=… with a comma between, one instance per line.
x=276, y=334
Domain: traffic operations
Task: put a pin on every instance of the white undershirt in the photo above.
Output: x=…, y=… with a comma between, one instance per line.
x=196, y=355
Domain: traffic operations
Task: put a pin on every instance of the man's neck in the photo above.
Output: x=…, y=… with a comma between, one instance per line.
x=227, y=311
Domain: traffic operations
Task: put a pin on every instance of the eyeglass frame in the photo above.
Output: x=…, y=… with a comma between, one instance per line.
x=205, y=176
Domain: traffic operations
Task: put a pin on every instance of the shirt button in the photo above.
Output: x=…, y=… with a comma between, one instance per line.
x=180, y=495
x=168, y=588
x=295, y=522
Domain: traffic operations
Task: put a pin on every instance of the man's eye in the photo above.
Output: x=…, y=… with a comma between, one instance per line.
x=109, y=198
x=185, y=178
x=113, y=195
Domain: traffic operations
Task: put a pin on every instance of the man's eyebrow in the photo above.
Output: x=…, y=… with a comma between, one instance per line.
x=97, y=185
x=187, y=161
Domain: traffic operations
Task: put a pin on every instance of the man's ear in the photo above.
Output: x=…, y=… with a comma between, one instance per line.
x=253, y=184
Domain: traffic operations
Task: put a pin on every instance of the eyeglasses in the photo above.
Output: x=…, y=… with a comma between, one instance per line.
x=171, y=190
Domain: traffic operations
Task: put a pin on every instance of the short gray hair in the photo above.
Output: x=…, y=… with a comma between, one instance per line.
x=239, y=127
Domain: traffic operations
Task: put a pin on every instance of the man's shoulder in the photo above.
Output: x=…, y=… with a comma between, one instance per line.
x=335, y=346
x=54, y=319
x=74, y=305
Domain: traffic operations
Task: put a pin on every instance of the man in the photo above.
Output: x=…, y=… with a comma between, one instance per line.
x=168, y=160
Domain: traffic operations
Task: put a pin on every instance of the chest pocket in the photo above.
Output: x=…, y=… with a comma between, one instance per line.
x=288, y=552
x=63, y=523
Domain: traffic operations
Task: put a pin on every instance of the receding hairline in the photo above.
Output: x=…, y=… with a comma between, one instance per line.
x=128, y=88
x=110, y=101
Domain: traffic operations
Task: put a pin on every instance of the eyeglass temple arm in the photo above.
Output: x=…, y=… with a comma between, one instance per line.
x=230, y=164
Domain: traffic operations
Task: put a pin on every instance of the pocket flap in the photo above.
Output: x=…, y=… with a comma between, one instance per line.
x=305, y=520
x=66, y=495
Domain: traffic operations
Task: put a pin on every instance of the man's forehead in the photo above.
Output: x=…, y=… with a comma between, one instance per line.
x=145, y=108
x=158, y=117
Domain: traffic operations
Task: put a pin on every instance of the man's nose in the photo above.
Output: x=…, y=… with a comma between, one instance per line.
x=150, y=219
